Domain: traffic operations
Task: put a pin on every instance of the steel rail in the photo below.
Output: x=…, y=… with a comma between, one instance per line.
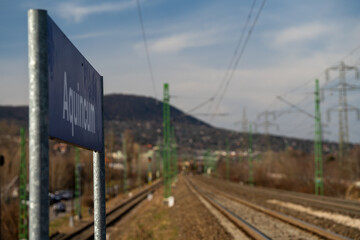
x=243, y=225
x=290, y=220
x=326, y=202
x=119, y=211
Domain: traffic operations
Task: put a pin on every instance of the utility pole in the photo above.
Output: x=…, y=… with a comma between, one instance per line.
x=250, y=160
x=227, y=161
x=343, y=107
x=125, y=164
x=319, y=185
x=23, y=218
x=266, y=114
x=166, y=139
x=245, y=127
x=77, y=184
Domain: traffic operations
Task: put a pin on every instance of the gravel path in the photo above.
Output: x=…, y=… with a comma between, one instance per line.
x=188, y=219
x=263, y=200
x=229, y=226
x=193, y=219
x=270, y=226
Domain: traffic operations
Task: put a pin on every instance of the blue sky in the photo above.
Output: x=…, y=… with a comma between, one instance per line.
x=191, y=44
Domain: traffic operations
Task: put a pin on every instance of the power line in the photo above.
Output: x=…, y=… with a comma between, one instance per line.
x=236, y=50
x=201, y=104
x=239, y=56
x=351, y=52
x=146, y=47
x=296, y=107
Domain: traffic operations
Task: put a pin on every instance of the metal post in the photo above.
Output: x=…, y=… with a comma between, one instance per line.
x=166, y=139
x=319, y=185
x=99, y=187
x=38, y=125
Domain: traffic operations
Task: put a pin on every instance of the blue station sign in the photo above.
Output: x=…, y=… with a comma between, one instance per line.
x=75, y=94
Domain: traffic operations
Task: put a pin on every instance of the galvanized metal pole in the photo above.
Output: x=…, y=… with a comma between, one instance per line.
x=38, y=125
x=166, y=139
x=319, y=184
x=99, y=187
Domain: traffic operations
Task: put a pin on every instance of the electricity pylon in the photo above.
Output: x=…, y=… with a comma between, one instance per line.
x=166, y=139
x=245, y=123
x=319, y=185
x=266, y=114
x=23, y=218
x=343, y=107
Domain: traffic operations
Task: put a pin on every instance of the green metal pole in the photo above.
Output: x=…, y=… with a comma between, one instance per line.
x=77, y=184
x=319, y=185
x=227, y=161
x=23, y=219
x=250, y=160
x=166, y=139
x=125, y=187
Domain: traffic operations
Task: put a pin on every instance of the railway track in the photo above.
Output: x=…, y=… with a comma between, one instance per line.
x=222, y=202
x=349, y=207
x=87, y=231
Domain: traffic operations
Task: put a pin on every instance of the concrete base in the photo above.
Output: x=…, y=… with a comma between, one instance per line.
x=170, y=201
x=149, y=197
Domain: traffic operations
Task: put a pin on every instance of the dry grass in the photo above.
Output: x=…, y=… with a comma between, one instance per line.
x=294, y=171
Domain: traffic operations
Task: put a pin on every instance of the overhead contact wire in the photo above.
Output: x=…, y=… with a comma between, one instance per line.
x=146, y=48
x=239, y=56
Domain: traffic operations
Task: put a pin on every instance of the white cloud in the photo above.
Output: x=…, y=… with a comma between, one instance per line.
x=93, y=35
x=178, y=42
x=301, y=33
x=73, y=11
